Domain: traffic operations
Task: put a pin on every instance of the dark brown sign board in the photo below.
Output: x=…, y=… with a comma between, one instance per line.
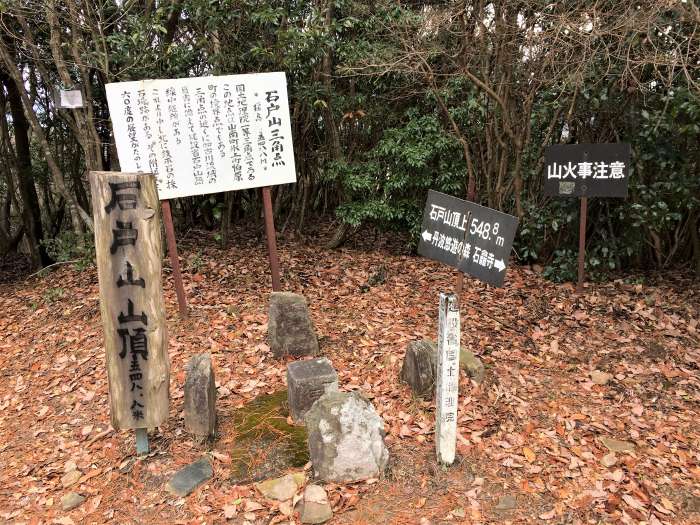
x=587, y=170
x=472, y=238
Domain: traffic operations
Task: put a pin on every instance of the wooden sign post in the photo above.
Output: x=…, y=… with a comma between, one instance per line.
x=586, y=170
x=447, y=384
x=128, y=245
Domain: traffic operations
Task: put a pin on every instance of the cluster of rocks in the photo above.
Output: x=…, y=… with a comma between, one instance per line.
x=345, y=433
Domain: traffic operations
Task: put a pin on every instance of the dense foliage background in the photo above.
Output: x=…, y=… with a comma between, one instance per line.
x=388, y=100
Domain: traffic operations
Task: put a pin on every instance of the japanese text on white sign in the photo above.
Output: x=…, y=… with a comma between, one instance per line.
x=207, y=134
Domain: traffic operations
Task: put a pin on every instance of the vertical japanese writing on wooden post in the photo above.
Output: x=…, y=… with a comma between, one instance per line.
x=127, y=243
x=447, y=385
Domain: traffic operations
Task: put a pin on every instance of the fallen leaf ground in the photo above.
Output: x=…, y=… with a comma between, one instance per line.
x=531, y=436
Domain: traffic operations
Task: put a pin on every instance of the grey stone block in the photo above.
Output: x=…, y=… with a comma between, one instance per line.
x=200, y=397
x=306, y=382
x=290, y=329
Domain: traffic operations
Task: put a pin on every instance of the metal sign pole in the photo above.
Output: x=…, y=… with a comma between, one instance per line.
x=582, y=244
x=271, y=239
x=174, y=260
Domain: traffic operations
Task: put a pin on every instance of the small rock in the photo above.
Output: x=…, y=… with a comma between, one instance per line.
x=600, y=378
x=190, y=477
x=71, y=478
x=615, y=445
x=459, y=512
x=507, y=502
x=315, y=507
x=472, y=365
x=609, y=460
x=280, y=489
x=290, y=329
x=71, y=501
x=200, y=397
x=346, y=438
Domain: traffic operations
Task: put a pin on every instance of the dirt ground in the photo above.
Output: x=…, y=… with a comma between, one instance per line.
x=533, y=437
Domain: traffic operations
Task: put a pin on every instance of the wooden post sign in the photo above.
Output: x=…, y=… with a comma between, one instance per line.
x=128, y=245
x=447, y=384
x=474, y=239
x=586, y=170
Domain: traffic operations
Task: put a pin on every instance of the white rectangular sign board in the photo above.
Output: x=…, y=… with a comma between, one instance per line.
x=206, y=134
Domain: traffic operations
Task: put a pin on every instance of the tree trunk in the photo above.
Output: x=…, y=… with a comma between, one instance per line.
x=31, y=212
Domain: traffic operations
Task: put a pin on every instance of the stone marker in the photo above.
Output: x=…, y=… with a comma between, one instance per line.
x=71, y=501
x=314, y=506
x=447, y=380
x=200, y=397
x=306, y=382
x=346, y=438
x=420, y=364
x=418, y=368
x=190, y=477
x=290, y=328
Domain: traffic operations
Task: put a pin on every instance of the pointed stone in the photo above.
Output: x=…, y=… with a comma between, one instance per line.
x=190, y=477
x=71, y=478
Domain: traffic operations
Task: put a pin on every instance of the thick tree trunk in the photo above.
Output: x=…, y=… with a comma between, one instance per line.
x=31, y=212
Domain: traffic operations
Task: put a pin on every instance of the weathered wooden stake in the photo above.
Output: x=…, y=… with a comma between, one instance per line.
x=582, y=244
x=271, y=239
x=128, y=247
x=174, y=259
x=447, y=384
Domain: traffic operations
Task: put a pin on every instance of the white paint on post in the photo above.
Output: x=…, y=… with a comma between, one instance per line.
x=447, y=384
x=206, y=134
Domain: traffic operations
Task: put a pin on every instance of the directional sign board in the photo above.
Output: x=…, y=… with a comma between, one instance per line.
x=474, y=239
x=587, y=170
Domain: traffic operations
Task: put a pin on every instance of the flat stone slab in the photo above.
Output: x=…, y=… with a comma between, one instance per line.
x=187, y=479
x=290, y=329
x=200, y=397
x=306, y=382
